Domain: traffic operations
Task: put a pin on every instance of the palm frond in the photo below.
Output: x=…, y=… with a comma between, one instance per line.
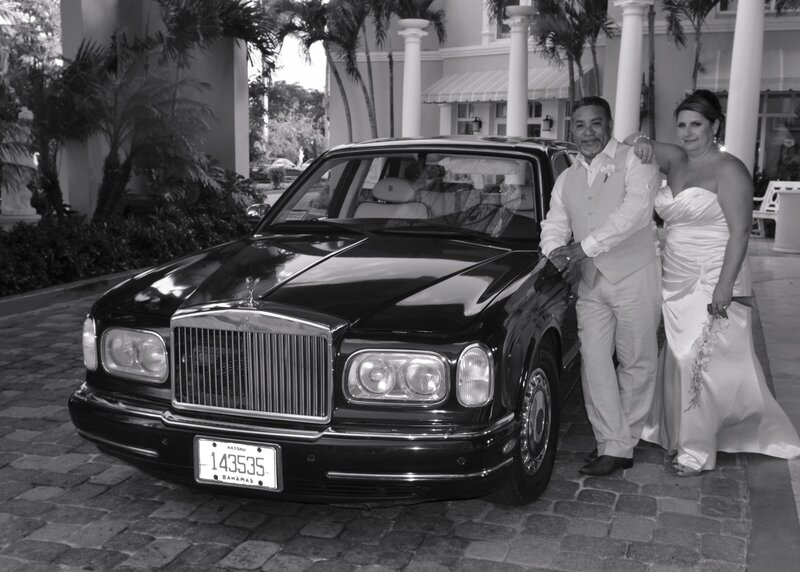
x=675, y=12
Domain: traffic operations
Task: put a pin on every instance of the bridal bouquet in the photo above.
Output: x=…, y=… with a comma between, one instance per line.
x=704, y=346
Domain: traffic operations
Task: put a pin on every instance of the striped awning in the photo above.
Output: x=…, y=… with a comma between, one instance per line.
x=780, y=70
x=492, y=85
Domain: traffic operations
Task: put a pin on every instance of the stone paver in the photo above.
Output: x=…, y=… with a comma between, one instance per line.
x=64, y=505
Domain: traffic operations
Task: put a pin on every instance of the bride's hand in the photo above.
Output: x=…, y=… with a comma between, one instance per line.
x=644, y=149
x=720, y=301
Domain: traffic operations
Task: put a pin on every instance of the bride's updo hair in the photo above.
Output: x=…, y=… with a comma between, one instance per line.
x=706, y=104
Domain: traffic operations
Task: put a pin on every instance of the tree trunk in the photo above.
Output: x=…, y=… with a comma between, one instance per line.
x=651, y=83
x=373, y=123
x=112, y=188
x=345, y=102
x=368, y=57
x=698, y=45
x=596, y=69
x=580, y=77
x=571, y=74
x=391, y=89
x=51, y=187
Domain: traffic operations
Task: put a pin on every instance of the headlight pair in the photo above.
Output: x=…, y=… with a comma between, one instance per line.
x=419, y=377
x=135, y=354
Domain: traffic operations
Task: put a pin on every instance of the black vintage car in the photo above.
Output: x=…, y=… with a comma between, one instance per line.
x=388, y=332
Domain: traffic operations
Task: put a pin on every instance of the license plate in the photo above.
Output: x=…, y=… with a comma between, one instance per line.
x=237, y=464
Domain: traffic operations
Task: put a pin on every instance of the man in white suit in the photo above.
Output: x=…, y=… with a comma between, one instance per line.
x=604, y=202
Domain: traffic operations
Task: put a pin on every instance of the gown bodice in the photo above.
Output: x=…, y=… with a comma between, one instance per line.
x=693, y=207
x=696, y=237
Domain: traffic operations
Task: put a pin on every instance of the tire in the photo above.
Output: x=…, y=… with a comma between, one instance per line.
x=537, y=432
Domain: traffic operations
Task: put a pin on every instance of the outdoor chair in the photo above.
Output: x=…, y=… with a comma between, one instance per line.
x=767, y=206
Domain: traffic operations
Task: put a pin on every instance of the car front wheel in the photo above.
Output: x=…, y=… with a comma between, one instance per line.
x=537, y=432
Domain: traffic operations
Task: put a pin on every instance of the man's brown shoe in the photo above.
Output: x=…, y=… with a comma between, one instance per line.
x=591, y=456
x=605, y=465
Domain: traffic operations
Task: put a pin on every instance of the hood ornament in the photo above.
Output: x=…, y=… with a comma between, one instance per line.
x=250, y=283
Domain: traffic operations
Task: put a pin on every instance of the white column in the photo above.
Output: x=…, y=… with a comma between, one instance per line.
x=629, y=78
x=518, y=17
x=446, y=118
x=412, y=32
x=744, y=89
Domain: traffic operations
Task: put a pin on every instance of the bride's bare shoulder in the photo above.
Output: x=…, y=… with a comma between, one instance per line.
x=733, y=172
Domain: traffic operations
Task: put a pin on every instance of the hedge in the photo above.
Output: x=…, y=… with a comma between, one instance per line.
x=56, y=252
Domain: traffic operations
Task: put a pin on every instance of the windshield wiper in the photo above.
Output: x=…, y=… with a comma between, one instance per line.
x=439, y=230
x=318, y=223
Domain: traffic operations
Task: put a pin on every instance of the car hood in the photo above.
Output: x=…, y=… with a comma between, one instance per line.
x=380, y=281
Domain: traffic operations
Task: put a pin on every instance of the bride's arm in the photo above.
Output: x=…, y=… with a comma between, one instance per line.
x=735, y=195
x=667, y=155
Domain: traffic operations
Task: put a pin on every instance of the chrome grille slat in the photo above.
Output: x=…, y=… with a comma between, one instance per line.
x=249, y=363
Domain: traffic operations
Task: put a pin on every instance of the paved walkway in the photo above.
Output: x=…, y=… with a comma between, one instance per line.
x=64, y=506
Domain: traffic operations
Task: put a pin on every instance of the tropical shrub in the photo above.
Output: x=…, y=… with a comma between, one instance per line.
x=56, y=252
x=276, y=175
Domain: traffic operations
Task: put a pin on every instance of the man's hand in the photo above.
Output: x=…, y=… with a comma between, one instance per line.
x=567, y=259
x=565, y=256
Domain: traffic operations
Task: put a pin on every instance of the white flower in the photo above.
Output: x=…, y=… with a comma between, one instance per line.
x=607, y=169
x=703, y=348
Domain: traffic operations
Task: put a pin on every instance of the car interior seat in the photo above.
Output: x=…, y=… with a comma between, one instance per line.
x=393, y=198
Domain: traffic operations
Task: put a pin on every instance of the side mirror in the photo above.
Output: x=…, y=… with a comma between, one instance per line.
x=256, y=212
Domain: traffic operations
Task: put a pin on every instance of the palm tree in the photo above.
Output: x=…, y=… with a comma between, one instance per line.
x=381, y=11
x=345, y=22
x=695, y=12
x=651, y=71
x=201, y=23
x=561, y=30
x=58, y=117
x=422, y=9
x=14, y=146
x=593, y=16
x=560, y=36
x=307, y=20
x=136, y=111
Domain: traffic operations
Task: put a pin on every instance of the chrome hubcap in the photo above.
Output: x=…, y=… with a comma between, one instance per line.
x=535, y=425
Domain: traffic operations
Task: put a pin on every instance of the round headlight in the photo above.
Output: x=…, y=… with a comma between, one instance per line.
x=423, y=377
x=396, y=376
x=376, y=376
x=135, y=354
x=152, y=357
x=122, y=351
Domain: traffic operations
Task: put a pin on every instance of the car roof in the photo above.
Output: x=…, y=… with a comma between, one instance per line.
x=494, y=143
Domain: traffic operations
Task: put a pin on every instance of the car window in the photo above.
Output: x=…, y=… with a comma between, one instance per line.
x=561, y=161
x=487, y=194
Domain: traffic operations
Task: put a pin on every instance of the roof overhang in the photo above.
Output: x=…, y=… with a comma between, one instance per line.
x=492, y=85
x=780, y=70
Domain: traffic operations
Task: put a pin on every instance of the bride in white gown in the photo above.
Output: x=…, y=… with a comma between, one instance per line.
x=711, y=393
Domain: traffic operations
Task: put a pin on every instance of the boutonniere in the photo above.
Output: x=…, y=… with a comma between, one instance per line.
x=607, y=169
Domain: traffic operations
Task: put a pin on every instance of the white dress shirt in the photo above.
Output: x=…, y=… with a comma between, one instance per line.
x=635, y=211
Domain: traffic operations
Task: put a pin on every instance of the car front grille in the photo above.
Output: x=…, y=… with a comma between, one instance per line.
x=246, y=362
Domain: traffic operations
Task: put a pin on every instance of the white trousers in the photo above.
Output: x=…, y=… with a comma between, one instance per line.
x=621, y=318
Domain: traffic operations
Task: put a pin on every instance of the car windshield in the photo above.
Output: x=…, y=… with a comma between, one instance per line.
x=435, y=192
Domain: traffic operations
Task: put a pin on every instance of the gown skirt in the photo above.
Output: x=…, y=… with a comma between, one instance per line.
x=711, y=394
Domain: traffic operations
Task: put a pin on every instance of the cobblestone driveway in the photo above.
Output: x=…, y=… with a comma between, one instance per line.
x=65, y=506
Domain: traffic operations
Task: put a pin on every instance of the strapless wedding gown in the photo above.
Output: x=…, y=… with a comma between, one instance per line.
x=734, y=409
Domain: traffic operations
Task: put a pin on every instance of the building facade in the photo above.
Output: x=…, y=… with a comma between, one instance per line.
x=466, y=79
